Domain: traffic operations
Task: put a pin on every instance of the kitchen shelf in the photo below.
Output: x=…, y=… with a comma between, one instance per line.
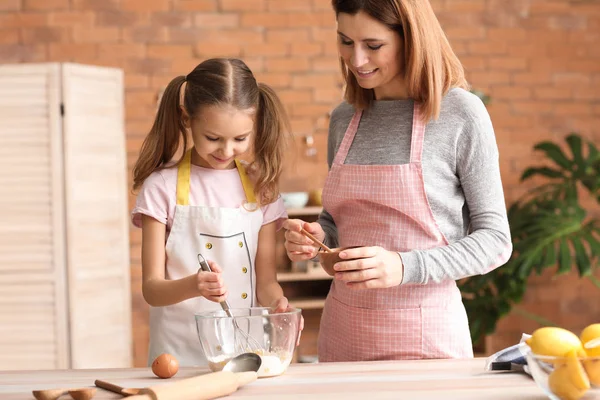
x=318, y=275
x=304, y=211
x=307, y=303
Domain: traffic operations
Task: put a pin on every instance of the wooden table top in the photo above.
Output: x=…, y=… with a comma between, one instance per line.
x=426, y=379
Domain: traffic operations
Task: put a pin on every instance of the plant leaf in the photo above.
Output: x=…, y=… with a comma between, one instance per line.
x=581, y=258
x=504, y=308
x=550, y=259
x=475, y=328
x=570, y=192
x=575, y=143
x=554, y=153
x=527, y=265
x=593, y=154
x=564, y=262
x=593, y=242
x=544, y=171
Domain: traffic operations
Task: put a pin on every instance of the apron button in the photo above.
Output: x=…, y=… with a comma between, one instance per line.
x=241, y=244
x=244, y=295
x=209, y=246
x=245, y=270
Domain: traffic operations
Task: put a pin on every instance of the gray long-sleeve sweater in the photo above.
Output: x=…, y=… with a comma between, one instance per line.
x=461, y=174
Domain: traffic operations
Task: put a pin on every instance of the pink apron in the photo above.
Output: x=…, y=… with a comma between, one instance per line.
x=386, y=205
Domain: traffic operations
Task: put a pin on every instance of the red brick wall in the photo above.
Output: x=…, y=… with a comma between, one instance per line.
x=537, y=59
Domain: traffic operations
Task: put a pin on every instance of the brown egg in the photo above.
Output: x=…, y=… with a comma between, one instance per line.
x=165, y=366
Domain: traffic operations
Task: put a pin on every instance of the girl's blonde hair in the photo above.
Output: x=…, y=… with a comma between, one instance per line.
x=431, y=68
x=219, y=82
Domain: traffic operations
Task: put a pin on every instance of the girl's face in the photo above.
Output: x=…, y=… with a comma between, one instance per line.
x=220, y=134
x=372, y=52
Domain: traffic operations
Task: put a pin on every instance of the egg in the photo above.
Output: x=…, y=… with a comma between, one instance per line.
x=165, y=366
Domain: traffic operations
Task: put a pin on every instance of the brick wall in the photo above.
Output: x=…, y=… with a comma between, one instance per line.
x=537, y=59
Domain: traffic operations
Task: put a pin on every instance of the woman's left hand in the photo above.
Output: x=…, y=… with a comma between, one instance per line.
x=282, y=305
x=369, y=268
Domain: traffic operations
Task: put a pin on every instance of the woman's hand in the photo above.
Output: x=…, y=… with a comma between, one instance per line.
x=369, y=268
x=282, y=305
x=210, y=284
x=298, y=246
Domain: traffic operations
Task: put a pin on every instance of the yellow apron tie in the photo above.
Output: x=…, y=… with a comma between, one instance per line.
x=183, y=180
x=246, y=183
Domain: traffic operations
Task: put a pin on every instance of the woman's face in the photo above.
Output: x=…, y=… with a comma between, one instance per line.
x=372, y=52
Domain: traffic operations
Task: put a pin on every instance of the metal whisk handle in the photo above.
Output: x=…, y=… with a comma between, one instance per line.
x=205, y=267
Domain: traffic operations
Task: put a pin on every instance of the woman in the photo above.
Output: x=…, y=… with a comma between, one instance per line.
x=414, y=179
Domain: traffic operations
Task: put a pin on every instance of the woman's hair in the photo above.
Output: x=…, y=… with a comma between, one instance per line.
x=219, y=82
x=430, y=66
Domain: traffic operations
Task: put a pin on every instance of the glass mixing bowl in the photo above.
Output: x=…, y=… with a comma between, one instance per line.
x=271, y=335
x=563, y=378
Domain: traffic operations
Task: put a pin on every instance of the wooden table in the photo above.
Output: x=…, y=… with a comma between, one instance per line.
x=427, y=379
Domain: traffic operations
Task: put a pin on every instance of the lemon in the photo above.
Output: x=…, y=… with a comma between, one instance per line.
x=568, y=380
x=592, y=368
x=591, y=332
x=553, y=341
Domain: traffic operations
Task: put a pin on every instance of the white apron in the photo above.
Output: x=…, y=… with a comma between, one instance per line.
x=228, y=236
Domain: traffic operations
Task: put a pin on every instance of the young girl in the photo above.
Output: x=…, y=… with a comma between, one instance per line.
x=208, y=204
x=414, y=178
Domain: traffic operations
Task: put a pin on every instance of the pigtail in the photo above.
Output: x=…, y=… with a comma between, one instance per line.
x=164, y=138
x=272, y=128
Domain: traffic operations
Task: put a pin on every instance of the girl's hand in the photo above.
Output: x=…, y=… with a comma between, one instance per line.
x=282, y=305
x=298, y=246
x=210, y=284
x=369, y=268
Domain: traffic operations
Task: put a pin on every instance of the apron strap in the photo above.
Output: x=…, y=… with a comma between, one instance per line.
x=342, y=152
x=417, y=136
x=246, y=182
x=183, y=180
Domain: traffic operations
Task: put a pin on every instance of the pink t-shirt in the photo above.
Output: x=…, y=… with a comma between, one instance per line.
x=208, y=187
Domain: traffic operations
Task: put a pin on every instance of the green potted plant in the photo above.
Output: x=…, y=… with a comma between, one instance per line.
x=549, y=228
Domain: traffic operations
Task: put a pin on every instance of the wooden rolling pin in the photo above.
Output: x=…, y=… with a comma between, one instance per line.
x=203, y=387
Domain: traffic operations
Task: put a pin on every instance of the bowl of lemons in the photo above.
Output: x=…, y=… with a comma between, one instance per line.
x=566, y=366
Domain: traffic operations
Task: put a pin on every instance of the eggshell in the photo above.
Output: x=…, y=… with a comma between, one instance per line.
x=165, y=366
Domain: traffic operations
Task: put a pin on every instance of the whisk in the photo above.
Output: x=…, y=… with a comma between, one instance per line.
x=243, y=342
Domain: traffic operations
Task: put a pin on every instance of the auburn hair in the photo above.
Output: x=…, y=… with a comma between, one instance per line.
x=431, y=68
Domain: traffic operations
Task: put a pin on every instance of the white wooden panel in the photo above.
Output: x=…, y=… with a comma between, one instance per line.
x=33, y=321
x=97, y=215
x=27, y=333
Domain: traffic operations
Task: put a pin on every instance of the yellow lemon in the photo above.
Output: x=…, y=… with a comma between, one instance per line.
x=569, y=381
x=591, y=332
x=553, y=341
x=592, y=368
